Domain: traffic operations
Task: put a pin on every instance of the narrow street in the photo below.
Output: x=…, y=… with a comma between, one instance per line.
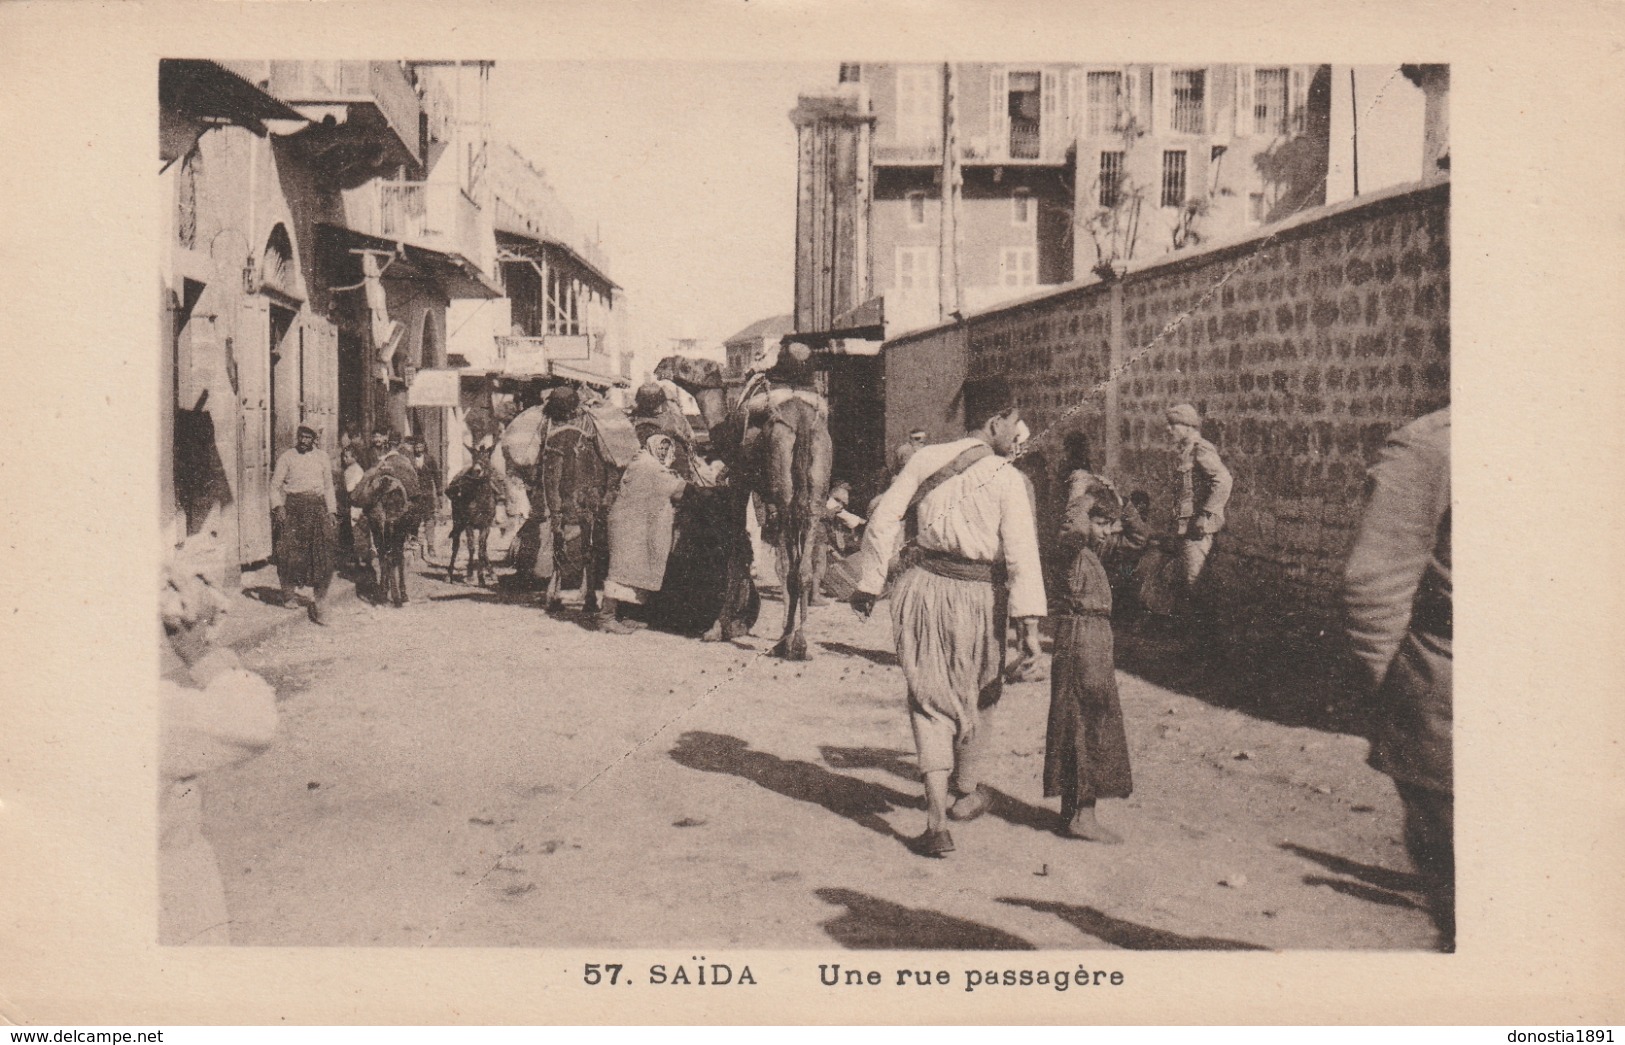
x=467, y=771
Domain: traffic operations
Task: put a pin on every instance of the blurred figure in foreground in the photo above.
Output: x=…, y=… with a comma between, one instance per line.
x=212, y=713
x=1397, y=593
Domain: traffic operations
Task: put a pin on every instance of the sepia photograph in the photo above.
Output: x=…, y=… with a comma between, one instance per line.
x=996, y=506
x=758, y=513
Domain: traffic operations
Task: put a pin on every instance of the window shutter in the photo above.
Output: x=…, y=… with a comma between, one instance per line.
x=998, y=108
x=1162, y=100
x=1246, y=122
x=1049, y=130
x=1131, y=95
x=1299, y=99
x=1220, y=123
x=1077, y=104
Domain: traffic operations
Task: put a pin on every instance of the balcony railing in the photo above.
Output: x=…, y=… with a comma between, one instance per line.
x=532, y=354
x=381, y=84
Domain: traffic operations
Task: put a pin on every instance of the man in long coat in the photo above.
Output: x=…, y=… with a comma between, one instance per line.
x=976, y=565
x=640, y=530
x=1397, y=593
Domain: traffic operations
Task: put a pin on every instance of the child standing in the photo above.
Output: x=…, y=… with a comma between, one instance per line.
x=1085, y=749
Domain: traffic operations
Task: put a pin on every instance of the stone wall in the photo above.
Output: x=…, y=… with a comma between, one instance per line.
x=1303, y=347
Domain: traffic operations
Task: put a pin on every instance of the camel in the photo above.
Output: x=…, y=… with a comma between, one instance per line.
x=782, y=453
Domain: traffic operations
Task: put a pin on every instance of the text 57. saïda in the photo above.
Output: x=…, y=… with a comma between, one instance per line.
x=697, y=972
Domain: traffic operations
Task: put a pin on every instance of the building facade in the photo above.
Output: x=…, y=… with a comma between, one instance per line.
x=318, y=233
x=949, y=187
x=756, y=347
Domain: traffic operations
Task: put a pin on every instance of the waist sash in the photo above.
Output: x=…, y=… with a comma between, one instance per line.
x=959, y=568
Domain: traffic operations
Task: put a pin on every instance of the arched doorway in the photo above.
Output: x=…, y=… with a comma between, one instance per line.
x=284, y=338
x=429, y=422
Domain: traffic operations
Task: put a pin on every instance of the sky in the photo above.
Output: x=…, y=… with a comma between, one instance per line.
x=1390, y=111
x=689, y=171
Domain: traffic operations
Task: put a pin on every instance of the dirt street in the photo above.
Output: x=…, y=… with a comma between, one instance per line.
x=467, y=771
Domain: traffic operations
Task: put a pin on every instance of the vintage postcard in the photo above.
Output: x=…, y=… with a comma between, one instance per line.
x=748, y=513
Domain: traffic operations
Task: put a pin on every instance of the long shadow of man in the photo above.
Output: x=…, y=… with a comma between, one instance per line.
x=861, y=802
x=871, y=923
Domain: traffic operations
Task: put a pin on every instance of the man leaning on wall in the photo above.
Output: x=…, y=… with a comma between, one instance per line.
x=1202, y=486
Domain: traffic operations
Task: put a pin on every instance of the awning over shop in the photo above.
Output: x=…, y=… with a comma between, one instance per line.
x=460, y=276
x=210, y=91
x=435, y=387
x=587, y=377
x=849, y=341
x=550, y=373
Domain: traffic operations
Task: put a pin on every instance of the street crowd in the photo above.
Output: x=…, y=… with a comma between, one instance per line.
x=966, y=546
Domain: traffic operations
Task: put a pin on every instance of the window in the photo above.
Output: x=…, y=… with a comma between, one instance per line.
x=1026, y=109
x=916, y=269
x=919, y=113
x=851, y=72
x=1105, y=102
x=1173, y=178
x=916, y=209
x=1190, y=103
x=1021, y=208
x=1018, y=267
x=1270, y=108
x=1111, y=179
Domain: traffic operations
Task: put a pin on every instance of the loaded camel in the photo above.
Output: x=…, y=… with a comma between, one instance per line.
x=775, y=444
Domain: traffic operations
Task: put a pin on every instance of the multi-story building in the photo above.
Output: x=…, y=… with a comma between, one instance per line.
x=1173, y=156
x=756, y=347
x=319, y=234
x=555, y=278
x=951, y=187
x=930, y=191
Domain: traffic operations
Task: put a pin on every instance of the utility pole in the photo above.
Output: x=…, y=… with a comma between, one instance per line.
x=948, y=243
x=1354, y=110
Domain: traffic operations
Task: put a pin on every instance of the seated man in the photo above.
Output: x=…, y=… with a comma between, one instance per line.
x=792, y=377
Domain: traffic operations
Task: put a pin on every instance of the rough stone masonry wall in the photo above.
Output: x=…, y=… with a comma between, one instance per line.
x=1303, y=348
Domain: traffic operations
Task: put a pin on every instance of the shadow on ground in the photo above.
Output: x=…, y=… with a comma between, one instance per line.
x=885, y=658
x=1373, y=884
x=1289, y=678
x=859, y=801
x=873, y=924
x=271, y=596
x=1129, y=935
x=900, y=764
x=1382, y=877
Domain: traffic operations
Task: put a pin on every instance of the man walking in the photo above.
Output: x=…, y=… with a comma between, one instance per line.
x=976, y=564
x=1397, y=593
x=303, y=506
x=430, y=486
x=1202, y=489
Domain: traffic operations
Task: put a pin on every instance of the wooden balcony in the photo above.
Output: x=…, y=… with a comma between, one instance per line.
x=434, y=216
x=380, y=92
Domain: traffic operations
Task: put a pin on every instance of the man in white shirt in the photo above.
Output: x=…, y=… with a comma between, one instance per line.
x=976, y=564
x=303, y=506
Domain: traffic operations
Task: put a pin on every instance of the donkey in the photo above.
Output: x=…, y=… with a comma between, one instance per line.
x=578, y=485
x=473, y=496
x=390, y=516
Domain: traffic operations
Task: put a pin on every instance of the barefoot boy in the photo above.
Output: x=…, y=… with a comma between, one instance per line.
x=1085, y=750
